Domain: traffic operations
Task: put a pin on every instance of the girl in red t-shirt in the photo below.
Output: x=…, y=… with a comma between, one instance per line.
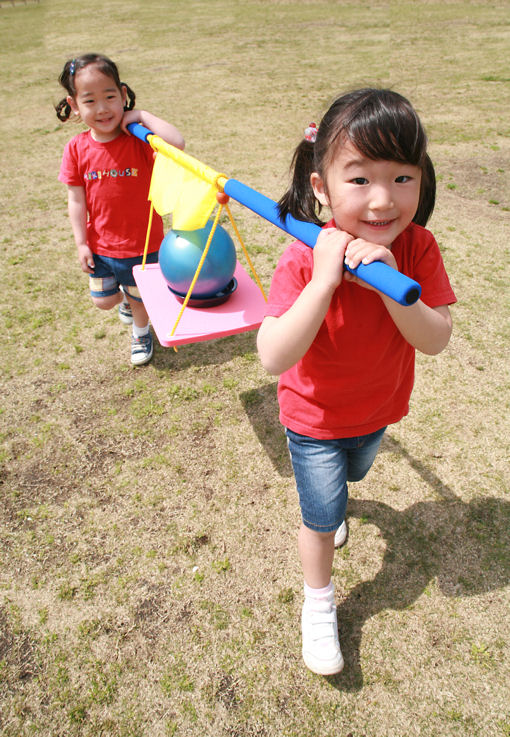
x=345, y=351
x=107, y=173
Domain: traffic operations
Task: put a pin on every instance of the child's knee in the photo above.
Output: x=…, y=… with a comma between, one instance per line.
x=107, y=303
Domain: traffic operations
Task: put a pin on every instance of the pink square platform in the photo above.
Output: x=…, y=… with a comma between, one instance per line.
x=243, y=310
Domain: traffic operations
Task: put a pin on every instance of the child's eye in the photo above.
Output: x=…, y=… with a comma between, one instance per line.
x=359, y=180
x=403, y=179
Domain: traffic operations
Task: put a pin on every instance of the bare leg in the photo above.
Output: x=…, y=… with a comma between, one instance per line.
x=316, y=550
x=140, y=316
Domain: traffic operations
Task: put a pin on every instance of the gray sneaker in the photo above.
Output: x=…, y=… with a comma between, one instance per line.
x=141, y=349
x=125, y=314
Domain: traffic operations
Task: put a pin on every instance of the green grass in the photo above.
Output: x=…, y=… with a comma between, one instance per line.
x=149, y=579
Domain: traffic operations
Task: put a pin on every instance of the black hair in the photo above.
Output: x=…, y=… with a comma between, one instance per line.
x=105, y=65
x=381, y=124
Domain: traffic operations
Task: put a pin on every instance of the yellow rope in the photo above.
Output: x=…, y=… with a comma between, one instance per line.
x=199, y=267
x=146, y=247
x=245, y=251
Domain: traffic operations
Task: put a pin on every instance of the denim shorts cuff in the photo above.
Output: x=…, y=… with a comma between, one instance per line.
x=321, y=528
x=106, y=293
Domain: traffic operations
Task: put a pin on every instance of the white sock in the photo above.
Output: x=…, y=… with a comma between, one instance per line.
x=140, y=332
x=328, y=592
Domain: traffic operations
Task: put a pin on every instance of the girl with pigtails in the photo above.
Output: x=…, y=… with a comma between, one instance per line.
x=345, y=352
x=108, y=172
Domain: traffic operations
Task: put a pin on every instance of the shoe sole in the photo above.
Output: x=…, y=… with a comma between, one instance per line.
x=323, y=670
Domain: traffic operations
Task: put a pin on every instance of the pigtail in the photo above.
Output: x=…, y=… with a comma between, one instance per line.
x=427, y=193
x=63, y=110
x=131, y=97
x=299, y=200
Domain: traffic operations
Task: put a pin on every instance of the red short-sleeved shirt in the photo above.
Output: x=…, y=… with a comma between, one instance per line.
x=116, y=176
x=358, y=374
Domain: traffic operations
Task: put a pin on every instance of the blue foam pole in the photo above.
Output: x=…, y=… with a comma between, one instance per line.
x=140, y=131
x=394, y=284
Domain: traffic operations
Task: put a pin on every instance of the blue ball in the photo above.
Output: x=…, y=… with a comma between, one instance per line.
x=180, y=253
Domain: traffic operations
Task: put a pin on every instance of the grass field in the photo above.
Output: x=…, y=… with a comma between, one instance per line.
x=149, y=579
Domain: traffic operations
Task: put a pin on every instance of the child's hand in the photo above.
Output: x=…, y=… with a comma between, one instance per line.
x=130, y=116
x=359, y=252
x=86, y=259
x=328, y=257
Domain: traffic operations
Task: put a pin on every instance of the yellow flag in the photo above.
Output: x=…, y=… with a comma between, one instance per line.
x=175, y=188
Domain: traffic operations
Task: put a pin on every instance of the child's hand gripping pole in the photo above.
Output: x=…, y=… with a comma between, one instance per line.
x=398, y=286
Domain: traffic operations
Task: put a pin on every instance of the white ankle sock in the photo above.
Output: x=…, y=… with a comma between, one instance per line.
x=140, y=332
x=327, y=592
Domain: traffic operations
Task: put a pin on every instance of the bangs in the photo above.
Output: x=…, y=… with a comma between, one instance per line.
x=384, y=126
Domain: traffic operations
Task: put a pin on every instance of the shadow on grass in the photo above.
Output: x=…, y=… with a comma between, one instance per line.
x=205, y=353
x=463, y=545
x=261, y=407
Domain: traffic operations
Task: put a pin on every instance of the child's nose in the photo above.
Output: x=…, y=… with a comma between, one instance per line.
x=380, y=197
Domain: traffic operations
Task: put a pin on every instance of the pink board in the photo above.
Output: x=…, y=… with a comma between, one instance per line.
x=243, y=311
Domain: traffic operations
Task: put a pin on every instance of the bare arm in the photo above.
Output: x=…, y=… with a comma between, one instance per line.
x=77, y=208
x=161, y=128
x=283, y=340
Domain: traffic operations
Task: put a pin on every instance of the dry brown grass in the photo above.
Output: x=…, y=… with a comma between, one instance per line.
x=149, y=580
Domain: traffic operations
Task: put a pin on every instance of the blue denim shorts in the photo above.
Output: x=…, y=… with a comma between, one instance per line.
x=110, y=273
x=322, y=469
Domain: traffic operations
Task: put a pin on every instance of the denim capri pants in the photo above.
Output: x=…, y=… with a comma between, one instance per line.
x=322, y=469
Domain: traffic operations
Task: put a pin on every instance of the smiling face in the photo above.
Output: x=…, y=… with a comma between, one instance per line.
x=99, y=102
x=370, y=199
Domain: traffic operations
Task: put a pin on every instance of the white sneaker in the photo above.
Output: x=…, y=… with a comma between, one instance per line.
x=341, y=535
x=321, y=648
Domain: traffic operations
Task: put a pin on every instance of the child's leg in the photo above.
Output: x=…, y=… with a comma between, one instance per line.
x=319, y=626
x=141, y=342
x=140, y=316
x=316, y=551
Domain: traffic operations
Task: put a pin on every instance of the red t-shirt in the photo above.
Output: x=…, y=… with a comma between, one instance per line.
x=358, y=374
x=116, y=176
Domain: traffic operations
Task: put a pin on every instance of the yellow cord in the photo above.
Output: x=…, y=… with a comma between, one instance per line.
x=149, y=226
x=199, y=267
x=245, y=251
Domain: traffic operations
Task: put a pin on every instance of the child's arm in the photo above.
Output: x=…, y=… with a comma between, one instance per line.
x=282, y=341
x=427, y=329
x=77, y=208
x=159, y=127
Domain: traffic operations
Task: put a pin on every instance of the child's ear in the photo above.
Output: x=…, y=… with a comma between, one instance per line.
x=123, y=91
x=72, y=104
x=319, y=188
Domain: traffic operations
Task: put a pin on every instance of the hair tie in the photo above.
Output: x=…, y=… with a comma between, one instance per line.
x=71, y=68
x=311, y=133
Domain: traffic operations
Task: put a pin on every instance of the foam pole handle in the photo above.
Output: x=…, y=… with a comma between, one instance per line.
x=394, y=284
x=140, y=131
